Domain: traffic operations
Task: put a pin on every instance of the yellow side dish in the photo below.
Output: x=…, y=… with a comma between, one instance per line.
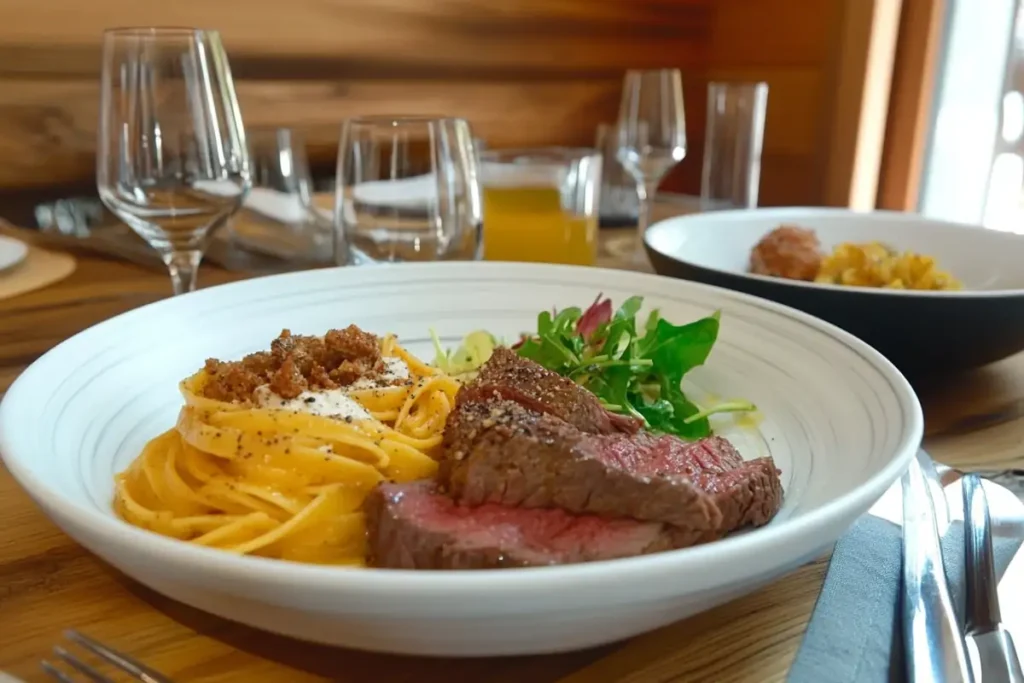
x=876, y=265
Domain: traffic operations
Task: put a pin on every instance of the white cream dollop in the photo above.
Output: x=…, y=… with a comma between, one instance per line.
x=332, y=403
x=395, y=369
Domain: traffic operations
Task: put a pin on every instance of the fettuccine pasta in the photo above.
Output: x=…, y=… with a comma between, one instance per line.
x=280, y=482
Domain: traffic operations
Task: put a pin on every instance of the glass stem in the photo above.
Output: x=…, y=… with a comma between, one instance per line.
x=183, y=266
x=645, y=193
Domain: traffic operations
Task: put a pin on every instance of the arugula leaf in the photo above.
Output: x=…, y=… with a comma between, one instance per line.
x=544, y=322
x=633, y=372
x=614, y=383
x=718, y=408
x=687, y=420
x=658, y=414
x=564, y=323
x=677, y=349
x=652, y=321
x=629, y=308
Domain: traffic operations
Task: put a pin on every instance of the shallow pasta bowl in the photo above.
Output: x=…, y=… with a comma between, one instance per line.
x=919, y=331
x=83, y=411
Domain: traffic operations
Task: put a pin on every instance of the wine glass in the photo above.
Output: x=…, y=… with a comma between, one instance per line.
x=408, y=189
x=652, y=134
x=172, y=160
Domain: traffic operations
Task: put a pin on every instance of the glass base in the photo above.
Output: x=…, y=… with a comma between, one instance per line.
x=627, y=249
x=402, y=252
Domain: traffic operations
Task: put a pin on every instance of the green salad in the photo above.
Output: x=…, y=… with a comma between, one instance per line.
x=634, y=369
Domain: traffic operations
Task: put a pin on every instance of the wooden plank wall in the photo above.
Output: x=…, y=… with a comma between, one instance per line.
x=524, y=72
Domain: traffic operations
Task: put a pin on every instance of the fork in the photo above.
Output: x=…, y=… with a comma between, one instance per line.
x=119, y=661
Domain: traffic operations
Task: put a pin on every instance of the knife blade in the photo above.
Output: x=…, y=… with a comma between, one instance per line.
x=935, y=651
x=997, y=660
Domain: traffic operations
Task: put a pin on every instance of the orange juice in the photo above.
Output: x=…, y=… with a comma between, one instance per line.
x=541, y=204
x=530, y=224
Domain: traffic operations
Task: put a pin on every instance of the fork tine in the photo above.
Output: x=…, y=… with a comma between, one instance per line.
x=121, y=661
x=80, y=666
x=55, y=672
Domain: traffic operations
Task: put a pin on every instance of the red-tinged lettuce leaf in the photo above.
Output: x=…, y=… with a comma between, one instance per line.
x=598, y=315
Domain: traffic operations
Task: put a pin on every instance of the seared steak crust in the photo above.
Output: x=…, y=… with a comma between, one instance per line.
x=500, y=452
x=507, y=376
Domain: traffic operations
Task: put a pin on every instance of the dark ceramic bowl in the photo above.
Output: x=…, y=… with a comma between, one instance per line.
x=921, y=332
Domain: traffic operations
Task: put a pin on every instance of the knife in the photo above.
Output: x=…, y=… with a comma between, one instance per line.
x=934, y=643
x=997, y=658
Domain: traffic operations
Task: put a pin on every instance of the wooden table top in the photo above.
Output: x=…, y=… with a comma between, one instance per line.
x=48, y=583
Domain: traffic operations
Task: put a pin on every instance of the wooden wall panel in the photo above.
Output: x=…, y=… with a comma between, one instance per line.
x=524, y=72
x=55, y=120
x=356, y=35
x=862, y=76
x=910, y=106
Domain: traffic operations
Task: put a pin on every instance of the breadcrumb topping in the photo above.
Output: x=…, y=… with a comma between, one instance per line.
x=297, y=363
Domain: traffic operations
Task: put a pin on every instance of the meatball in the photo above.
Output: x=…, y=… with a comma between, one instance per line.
x=787, y=251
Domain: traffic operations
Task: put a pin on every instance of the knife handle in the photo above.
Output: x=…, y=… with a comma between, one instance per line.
x=997, y=657
x=934, y=642
x=982, y=612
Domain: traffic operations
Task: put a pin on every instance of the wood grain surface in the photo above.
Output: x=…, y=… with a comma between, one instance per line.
x=524, y=72
x=47, y=583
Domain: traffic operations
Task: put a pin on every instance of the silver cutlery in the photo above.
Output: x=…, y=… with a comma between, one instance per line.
x=996, y=656
x=116, y=240
x=115, y=659
x=935, y=651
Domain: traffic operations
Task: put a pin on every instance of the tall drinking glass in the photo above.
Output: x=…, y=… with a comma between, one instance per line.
x=652, y=134
x=541, y=204
x=278, y=216
x=408, y=189
x=732, y=143
x=171, y=160
x=618, y=188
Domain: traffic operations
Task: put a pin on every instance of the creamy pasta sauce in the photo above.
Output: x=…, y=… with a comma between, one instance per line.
x=394, y=369
x=327, y=403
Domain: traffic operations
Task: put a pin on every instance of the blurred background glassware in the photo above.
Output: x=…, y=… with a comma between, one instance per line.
x=652, y=134
x=541, y=204
x=618, y=187
x=278, y=216
x=408, y=189
x=172, y=160
x=733, y=138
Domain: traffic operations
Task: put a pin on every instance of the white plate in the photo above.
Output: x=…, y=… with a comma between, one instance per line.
x=12, y=252
x=921, y=332
x=839, y=420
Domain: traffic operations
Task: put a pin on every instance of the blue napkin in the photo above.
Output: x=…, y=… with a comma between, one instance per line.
x=855, y=635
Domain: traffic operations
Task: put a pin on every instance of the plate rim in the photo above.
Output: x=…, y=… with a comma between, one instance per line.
x=500, y=583
x=671, y=223
x=19, y=249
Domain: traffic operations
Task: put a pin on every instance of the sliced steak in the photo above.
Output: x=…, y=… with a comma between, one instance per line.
x=414, y=526
x=748, y=492
x=507, y=376
x=501, y=452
